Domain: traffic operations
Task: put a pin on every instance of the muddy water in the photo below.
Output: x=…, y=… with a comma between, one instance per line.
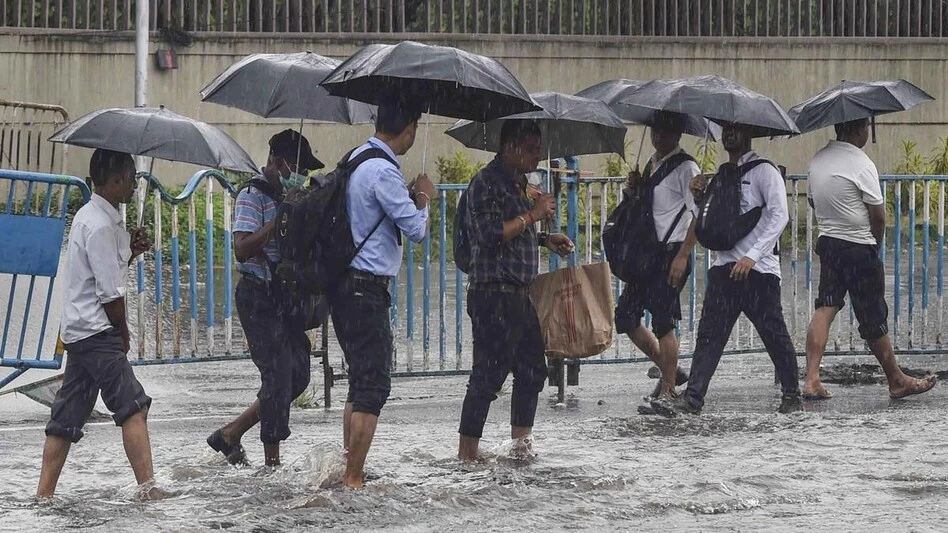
x=859, y=462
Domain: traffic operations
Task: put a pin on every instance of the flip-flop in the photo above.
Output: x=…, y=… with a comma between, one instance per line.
x=931, y=384
x=235, y=454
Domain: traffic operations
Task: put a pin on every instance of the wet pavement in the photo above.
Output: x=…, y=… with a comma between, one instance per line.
x=857, y=462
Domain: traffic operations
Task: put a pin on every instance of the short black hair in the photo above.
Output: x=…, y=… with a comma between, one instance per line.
x=669, y=121
x=514, y=130
x=105, y=163
x=845, y=129
x=395, y=115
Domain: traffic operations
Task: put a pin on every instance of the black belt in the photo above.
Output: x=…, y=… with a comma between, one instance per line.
x=496, y=286
x=362, y=275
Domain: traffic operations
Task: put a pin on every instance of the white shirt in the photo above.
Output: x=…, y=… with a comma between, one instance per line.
x=763, y=185
x=670, y=195
x=842, y=181
x=97, y=268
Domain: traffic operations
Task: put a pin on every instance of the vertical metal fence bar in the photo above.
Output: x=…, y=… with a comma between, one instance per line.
x=589, y=235
x=159, y=307
x=192, y=270
x=442, y=273
x=795, y=253
x=911, y=265
x=926, y=228
x=940, y=287
x=458, y=304
x=175, y=282
x=209, y=263
x=897, y=259
x=809, y=262
x=603, y=215
x=410, y=303
x=228, y=275
x=426, y=303
x=142, y=193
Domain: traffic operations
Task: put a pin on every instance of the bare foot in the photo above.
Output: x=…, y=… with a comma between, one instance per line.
x=912, y=386
x=815, y=391
x=354, y=484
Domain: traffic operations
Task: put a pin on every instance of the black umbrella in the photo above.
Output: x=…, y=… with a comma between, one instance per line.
x=571, y=125
x=853, y=100
x=441, y=80
x=715, y=98
x=285, y=86
x=156, y=132
x=613, y=91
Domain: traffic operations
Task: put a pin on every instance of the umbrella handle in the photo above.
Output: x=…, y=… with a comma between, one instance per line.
x=424, y=152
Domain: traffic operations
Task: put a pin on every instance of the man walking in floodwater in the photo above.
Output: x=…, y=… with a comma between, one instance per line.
x=666, y=183
x=504, y=262
x=380, y=208
x=94, y=329
x=278, y=344
x=843, y=188
x=745, y=278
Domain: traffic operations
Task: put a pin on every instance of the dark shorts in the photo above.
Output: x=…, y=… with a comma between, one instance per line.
x=653, y=294
x=360, y=318
x=280, y=350
x=847, y=267
x=93, y=365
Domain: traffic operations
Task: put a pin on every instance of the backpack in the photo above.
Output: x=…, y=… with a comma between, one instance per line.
x=628, y=238
x=313, y=232
x=462, y=239
x=720, y=222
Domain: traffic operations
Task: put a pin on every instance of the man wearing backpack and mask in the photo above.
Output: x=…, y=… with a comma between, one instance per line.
x=843, y=188
x=380, y=207
x=504, y=261
x=742, y=216
x=278, y=347
x=668, y=215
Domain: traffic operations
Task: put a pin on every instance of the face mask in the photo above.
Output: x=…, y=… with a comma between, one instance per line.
x=294, y=180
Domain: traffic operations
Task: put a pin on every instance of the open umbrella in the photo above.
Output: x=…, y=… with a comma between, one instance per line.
x=853, y=100
x=612, y=92
x=571, y=125
x=156, y=132
x=441, y=80
x=718, y=99
x=285, y=86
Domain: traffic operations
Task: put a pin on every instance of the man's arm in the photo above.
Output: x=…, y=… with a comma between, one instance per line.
x=102, y=252
x=877, y=222
x=774, y=216
x=251, y=235
x=392, y=194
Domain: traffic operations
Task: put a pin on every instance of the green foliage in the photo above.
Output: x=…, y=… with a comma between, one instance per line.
x=913, y=163
x=706, y=154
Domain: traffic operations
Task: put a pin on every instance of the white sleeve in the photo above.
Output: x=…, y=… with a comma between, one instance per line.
x=774, y=216
x=687, y=172
x=868, y=183
x=104, y=259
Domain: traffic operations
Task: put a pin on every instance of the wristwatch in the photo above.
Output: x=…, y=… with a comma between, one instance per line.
x=542, y=238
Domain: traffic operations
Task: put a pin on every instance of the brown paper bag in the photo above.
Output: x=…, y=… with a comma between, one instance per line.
x=575, y=307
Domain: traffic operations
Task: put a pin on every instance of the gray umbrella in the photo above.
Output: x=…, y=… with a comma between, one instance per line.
x=441, y=80
x=156, y=132
x=613, y=91
x=285, y=86
x=716, y=98
x=853, y=100
x=571, y=125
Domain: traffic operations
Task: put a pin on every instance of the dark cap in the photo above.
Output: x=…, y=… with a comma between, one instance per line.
x=288, y=143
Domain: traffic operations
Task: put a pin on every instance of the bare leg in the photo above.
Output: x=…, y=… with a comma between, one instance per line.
x=54, y=457
x=519, y=432
x=900, y=384
x=271, y=454
x=361, y=431
x=817, y=335
x=468, y=448
x=235, y=430
x=346, y=422
x=138, y=451
x=668, y=364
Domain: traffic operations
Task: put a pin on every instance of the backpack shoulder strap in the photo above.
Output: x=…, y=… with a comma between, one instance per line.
x=365, y=155
x=751, y=165
x=668, y=167
x=263, y=186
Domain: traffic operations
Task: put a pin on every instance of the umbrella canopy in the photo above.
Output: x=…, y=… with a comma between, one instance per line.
x=853, y=100
x=285, y=86
x=156, y=132
x=439, y=79
x=612, y=92
x=571, y=125
x=715, y=98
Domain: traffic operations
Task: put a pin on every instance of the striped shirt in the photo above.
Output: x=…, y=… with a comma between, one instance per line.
x=253, y=209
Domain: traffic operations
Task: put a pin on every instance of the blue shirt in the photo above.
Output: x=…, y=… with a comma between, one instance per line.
x=376, y=189
x=252, y=210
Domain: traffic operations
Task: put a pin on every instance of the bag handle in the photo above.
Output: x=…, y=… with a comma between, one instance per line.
x=674, y=224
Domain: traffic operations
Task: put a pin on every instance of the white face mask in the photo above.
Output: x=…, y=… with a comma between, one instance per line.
x=295, y=179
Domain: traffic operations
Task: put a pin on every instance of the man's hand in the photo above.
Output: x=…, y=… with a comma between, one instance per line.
x=126, y=340
x=422, y=185
x=560, y=244
x=676, y=271
x=140, y=242
x=742, y=269
x=543, y=207
x=634, y=178
x=698, y=184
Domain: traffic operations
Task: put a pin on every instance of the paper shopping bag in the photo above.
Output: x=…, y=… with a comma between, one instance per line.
x=575, y=307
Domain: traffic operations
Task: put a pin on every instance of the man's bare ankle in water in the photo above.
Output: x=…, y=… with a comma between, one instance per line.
x=468, y=449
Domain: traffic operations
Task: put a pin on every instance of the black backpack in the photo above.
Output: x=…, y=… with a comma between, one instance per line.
x=462, y=238
x=720, y=222
x=313, y=232
x=628, y=238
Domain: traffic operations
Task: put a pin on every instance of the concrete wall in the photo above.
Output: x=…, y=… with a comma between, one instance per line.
x=87, y=71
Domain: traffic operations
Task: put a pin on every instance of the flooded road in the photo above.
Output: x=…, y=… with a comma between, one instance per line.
x=858, y=462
